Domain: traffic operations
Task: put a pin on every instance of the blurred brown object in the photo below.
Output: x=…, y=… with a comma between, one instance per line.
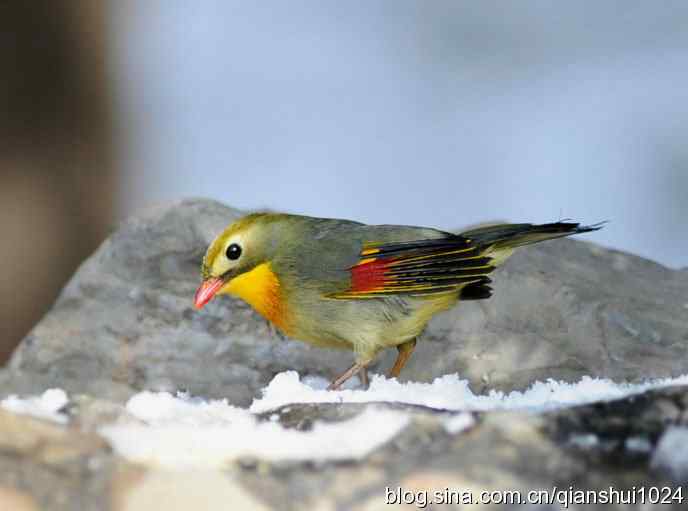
x=57, y=185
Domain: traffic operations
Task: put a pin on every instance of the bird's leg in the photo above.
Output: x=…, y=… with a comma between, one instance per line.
x=363, y=376
x=339, y=380
x=405, y=350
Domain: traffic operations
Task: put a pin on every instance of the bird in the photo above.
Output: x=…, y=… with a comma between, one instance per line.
x=343, y=284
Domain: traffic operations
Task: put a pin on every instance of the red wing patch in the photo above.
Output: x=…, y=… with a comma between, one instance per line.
x=369, y=274
x=417, y=267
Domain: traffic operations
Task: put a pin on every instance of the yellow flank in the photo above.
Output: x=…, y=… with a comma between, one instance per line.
x=260, y=288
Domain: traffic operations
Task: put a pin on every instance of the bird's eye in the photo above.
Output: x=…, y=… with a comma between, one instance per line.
x=233, y=252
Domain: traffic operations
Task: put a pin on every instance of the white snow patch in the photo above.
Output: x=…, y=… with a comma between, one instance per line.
x=671, y=454
x=180, y=433
x=585, y=441
x=449, y=392
x=638, y=444
x=458, y=423
x=46, y=406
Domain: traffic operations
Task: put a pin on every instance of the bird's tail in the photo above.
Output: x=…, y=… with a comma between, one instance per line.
x=500, y=240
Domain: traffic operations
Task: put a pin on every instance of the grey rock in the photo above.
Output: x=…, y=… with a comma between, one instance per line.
x=25, y=383
x=561, y=310
x=62, y=469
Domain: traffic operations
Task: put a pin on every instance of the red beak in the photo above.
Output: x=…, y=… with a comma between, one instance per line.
x=207, y=290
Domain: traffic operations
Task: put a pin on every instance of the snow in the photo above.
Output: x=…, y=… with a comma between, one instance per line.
x=449, y=392
x=458, y=423
x=585, y=441
x=46, y=406
x=671, y=455
x=180, y=431
x=638, y=444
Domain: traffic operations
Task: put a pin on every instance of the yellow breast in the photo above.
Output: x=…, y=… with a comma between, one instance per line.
x=260, y=288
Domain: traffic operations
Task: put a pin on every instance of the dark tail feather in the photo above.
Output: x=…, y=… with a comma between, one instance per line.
x=475, y=291
x=498, y=242
x=506, y=236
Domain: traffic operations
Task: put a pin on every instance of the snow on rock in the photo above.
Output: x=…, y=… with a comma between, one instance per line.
x=671, y=455
x=179, y=433
x=449, y=392
x=46, y=406
x=183, y=432
x=458, y=423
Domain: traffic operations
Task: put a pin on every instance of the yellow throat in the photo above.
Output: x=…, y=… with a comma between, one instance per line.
x=260, y=288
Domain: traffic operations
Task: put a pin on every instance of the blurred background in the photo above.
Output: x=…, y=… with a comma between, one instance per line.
x=442, y=113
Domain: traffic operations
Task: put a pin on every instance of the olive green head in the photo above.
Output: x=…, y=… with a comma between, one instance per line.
x=240, y=247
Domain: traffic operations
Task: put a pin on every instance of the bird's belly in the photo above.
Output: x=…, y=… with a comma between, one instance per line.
x=367, y=326
x=325, y=341
x=413, y=324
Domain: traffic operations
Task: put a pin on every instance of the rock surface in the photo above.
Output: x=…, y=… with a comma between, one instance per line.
x=561, y=309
